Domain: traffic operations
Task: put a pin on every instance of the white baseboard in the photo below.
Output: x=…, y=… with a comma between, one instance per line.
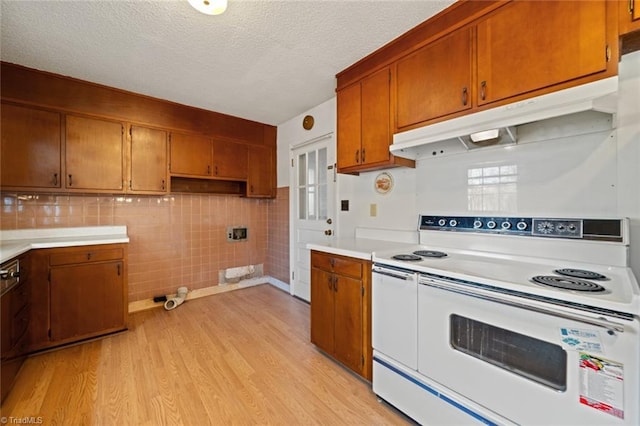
x=279, y=284
x=141, y=305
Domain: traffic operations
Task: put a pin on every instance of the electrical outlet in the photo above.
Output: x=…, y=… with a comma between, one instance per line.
x=373, y=210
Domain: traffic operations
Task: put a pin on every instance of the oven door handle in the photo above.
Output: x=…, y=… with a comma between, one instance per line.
x=602, y=323
x=401, y=275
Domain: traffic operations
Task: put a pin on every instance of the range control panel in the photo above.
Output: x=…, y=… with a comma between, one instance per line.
x=592, y=229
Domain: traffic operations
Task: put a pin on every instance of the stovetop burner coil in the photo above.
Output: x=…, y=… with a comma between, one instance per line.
x=567, y=283
x=430, y=253
x=580, y=273
x=407, y=257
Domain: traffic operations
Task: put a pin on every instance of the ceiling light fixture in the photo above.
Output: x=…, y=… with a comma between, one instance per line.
x=209, y=7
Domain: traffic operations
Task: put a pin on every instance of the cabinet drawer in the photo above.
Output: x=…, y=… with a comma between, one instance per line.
x=84, y=256
x=337, y=264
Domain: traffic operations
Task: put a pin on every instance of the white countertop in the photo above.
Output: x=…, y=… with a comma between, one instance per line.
x=15, y=242
x=360, y=248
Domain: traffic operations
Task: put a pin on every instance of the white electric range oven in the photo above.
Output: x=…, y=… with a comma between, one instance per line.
x=509, y=320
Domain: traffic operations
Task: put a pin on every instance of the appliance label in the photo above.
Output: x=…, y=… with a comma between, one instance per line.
x=574, y=339
x=602, y=384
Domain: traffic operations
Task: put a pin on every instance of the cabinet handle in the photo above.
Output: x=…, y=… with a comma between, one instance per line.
x=216, y=170
x=483, y=90
x=118, y=269
x=70, y=180
x=335, y=284
x=358, y=157
x=332, y=262
x=162, y=185
x=362, y=155
x=329, y=281
x=251, y=189
x=630, y=6
x=464, y=96
x=55, y=179
x=209, y=170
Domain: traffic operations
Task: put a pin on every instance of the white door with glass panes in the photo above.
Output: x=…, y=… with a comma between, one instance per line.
x=313, y=180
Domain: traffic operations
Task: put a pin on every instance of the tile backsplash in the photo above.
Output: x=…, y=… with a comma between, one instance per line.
x=175, y=240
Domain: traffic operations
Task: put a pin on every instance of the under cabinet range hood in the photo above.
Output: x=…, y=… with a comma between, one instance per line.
x=498, y=126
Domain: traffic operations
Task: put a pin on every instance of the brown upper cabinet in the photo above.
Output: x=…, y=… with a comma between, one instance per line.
x=65, y=135
x=31, y=148
x=230, y=160
x=94, y=154
x=478, y=55
x=364, y=125
x=202, y=157
x=629, y=13
x=260, y=182
x=517, y=56
x=149, y=162
x=435, y=80
x=190, y=155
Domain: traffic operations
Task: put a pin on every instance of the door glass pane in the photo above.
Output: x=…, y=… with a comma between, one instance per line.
x=312, y=168
x=302, y=169
x=537, y=360
x=312, y=203
x=322, y=166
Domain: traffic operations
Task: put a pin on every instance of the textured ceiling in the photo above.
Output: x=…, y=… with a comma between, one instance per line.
x=262, y=60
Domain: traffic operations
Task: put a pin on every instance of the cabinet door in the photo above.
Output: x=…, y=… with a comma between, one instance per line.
x=86, y=299
x=348, y=322
x=230, y=160
x=322, y=310
x=31, y=148
x=148, y=160
x=349, y=126
x=515, y=56
x=375, y=127
x=261, y=180
x=190, y=155
x=94, y=154
x=435, y=81
x=629, y=15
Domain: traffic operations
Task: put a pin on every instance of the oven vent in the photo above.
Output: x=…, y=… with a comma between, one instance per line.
x=496, y=126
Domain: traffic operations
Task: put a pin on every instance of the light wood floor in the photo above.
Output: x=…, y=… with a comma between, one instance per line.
x=241, y=357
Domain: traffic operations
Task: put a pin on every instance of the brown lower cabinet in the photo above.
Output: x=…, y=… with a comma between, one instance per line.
x=77, y=293
x=14, y=323
x=341, y=309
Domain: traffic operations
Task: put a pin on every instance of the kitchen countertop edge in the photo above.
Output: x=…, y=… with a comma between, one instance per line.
x=17, y=242
x=359, y=248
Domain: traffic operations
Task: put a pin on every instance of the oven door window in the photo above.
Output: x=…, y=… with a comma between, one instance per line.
x=537, y=360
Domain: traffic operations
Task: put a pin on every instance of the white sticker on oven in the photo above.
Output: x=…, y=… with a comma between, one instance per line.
x=602, y=384
x=574, y=339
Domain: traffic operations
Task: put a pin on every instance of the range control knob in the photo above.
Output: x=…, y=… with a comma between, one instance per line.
x=572, y=228
x=477, y=224
x=491, y=224
x=560, y=228
x=505, y=225
x=521, y=226
x=453, y=222
x=442, y=222
x=545, y=228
